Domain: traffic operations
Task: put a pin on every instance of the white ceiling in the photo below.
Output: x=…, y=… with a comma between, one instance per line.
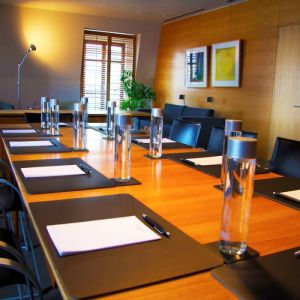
x=139, y=10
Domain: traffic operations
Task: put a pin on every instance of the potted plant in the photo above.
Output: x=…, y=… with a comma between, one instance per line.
x=138, y=95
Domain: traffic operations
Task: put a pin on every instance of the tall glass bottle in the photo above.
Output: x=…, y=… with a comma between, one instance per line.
x=79, y=137
x=54, y=117
x=156, y=131
x=122, y=147
x=85, y=101
x=111, y=105
x=45, y=113
x=232, y=128
x=238, y=190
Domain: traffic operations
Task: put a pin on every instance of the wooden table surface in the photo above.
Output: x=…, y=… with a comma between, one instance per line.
x=187, y=199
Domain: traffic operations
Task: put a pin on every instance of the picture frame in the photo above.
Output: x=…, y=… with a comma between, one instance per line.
x=226, y=64
x=196, y=67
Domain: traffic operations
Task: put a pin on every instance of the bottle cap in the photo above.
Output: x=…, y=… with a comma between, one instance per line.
x=157, y=112
x=123, y=119
x=79, y=106
x=54, y=102
x=44, y=99
x=84, y=100
x=111, y=103
x=232, y=125
x=241, y=147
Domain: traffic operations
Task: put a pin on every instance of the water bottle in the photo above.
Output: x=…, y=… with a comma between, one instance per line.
x=156, y=131
x=232, y=128
x=45, y=113
x=111, y=105
x=54, y=117
x=122, y=147
x=85, y=101
x=79, y=137
x=238, y=190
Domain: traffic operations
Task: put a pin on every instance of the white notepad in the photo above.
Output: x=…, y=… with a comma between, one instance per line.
x=30, y=144
x=18, y=131
x=206, y=161
x=99, y=234
x=293, y=195
x=63, y=170
x=147, y=141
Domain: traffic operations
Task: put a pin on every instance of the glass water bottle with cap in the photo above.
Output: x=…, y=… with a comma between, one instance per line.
x=232, y=128
x=111, y=105
x=122, y=147
x=156, y=131
x=54, y=117
x=85, y=101
x=45, y=113
x=79, y=136
x=238, y=190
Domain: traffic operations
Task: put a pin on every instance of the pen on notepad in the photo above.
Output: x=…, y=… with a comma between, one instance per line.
x=156, y=226
x=85, y=169
x=187, y=161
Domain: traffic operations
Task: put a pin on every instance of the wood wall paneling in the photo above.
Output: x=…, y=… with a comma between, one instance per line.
x=256, y=23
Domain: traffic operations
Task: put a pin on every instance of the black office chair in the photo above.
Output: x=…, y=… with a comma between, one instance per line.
x=185, y=133
x=216, y=140
x=6, y=106
x=286, y=157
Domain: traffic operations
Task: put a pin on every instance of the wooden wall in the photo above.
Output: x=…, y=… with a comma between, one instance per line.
x=256, y=23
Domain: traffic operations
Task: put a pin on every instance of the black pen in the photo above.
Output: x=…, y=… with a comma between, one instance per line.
x=156, y=226
x=53, y=142
x=85, y=169
x=187, y=161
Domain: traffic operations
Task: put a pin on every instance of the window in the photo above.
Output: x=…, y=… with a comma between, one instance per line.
x=105, y=56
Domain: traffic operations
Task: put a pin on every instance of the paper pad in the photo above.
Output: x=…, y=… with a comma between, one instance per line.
x=100, y=234
x=30, y=144
x=206, y=161
x=18, y=131
x=62, y=170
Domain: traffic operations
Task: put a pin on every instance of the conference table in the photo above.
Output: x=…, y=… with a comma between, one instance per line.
x=185, y=197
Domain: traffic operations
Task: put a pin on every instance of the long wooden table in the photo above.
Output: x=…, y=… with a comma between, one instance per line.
x=187, y=199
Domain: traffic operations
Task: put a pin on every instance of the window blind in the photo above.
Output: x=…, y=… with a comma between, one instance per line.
x=105, y=56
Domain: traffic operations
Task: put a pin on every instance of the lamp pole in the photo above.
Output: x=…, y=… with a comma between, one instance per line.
x=31, y=48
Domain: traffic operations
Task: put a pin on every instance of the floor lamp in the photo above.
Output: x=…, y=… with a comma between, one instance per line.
x=31, y=48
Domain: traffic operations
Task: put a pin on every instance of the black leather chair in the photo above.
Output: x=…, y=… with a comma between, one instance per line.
x=286, y=157
x=185, y=133
x=6, y=106
x=216, y=140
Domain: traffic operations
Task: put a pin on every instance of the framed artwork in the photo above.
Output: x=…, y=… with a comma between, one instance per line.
x=226, y=64
x=196, y=67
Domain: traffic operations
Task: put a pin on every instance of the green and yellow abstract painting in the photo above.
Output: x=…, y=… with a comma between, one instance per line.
x=225, y=63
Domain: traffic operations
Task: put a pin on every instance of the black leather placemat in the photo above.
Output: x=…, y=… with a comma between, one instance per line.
x=56, y=184
x=101, y=272
x=266, y=187
x=38, y=133
x=213, y=170
x=56, y=148
x=174, y=145
x=274, y=276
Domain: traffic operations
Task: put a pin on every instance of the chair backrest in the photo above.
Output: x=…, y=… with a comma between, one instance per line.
x=171, y=112
x=6, y=106
x=185, y=133
x=286, y=157
x=249, y=134
x=216, y=140
x=197, y=112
